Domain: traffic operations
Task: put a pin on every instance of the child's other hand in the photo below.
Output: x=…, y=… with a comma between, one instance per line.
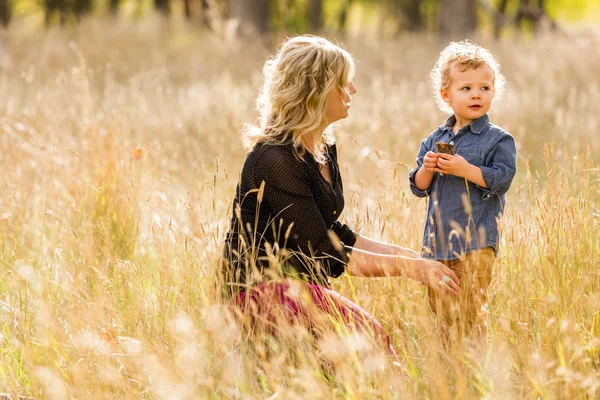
x=430, y=161
x=448, y=164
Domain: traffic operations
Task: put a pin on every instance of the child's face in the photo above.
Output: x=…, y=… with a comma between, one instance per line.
x=470, y=93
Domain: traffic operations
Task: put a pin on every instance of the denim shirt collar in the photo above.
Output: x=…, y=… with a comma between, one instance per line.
x=477, y=126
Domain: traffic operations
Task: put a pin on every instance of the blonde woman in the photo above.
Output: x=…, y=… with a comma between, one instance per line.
x=285, y=234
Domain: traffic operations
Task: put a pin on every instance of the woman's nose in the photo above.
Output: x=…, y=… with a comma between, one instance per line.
x=352, y=88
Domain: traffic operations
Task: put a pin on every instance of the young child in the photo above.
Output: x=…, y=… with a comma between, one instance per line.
x=467, y=190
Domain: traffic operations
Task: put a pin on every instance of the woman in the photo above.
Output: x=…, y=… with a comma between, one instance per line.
x=285, y=229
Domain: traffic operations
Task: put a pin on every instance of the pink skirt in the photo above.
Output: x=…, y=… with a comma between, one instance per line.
x=311, y=305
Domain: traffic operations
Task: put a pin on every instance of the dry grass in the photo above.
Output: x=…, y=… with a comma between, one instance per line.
x=119, y=149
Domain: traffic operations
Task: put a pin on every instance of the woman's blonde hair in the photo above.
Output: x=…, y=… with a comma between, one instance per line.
x=292, y=101
x=464, y=55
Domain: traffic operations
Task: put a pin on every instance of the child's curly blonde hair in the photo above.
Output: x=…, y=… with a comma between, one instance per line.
x=464, y=55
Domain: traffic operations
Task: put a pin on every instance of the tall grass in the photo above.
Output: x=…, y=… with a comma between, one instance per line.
x=120, y=152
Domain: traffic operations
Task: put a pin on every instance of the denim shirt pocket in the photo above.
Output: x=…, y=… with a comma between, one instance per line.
x=473, y=156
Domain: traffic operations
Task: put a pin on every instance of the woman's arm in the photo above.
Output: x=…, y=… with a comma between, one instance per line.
x=375, y=246
x=429, y=272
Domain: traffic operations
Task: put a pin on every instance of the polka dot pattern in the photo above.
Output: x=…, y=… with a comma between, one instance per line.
x=282, y=202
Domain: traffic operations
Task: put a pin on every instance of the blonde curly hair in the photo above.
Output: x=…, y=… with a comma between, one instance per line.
x=292, y=101
x=464, y=55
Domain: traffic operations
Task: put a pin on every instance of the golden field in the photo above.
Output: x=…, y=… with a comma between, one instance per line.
x=119, y=155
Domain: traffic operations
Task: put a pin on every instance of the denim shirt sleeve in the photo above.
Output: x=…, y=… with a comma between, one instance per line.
x=426, y=145
x=499, y=167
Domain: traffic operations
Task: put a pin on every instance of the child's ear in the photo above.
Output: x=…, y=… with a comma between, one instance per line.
x=444, y=94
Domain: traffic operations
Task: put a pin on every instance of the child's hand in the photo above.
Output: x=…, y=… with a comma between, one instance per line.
x=430, y=161
x=452, y=165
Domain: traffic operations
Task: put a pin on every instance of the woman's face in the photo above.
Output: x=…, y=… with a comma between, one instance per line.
x=338, y=102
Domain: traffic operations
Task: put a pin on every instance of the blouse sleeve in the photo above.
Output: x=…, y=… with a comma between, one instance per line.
x=345, y=233
x=288, y=195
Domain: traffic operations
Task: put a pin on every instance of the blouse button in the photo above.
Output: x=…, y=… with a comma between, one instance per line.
x=334, y=212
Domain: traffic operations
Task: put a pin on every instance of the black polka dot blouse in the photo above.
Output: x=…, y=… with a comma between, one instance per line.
x=291, y=223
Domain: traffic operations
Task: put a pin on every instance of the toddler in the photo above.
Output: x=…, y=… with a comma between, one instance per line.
x=466, y=180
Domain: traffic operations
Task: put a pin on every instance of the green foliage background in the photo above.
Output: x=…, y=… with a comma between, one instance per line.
x=364, y=15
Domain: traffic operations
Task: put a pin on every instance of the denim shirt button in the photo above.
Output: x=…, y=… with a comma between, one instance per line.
x=435, y=203
x=452, y=142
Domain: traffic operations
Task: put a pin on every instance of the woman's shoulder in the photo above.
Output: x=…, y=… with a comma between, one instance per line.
x=273, y=153
x=269, y=159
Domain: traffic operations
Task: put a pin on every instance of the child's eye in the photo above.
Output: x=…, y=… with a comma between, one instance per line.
x=485, y=88
x=466, y=88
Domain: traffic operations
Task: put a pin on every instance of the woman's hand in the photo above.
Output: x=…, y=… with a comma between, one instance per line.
x=431, y=274
x=378, y=247
x=406, y=252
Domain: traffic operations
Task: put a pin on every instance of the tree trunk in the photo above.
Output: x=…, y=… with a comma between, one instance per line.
x=53, y=6
x=253, y=16
x=344, y=14
x=315, y=15
x=4, y=12
x=114, y=7
x=204, y=16
x=413, y=15
x=458, y=19
x=81, y=7
x=187, y=9
x=500, y=18
x=162, y=6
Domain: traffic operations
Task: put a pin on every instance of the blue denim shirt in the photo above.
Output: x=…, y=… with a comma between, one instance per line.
x=461, y=216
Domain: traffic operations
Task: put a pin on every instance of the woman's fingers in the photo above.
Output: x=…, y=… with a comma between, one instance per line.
x=452, y=284
x=454, y=287
x=451, y=274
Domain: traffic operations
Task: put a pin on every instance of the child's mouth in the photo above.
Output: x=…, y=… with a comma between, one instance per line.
x=475, y=107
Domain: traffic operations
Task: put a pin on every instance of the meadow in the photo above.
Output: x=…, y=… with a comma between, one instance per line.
x=119, y=155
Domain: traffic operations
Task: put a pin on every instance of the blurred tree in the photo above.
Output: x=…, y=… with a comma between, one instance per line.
x=81, y=7
x=529, y=15
x=114, y=6
x=500, y=18
x=412, y=10
x=187, y=9
x=408, y=13
x=343, y=18
x=5, y=12
x=458, y=19
x=55, y=7
x=534, y=12
x=163, y=6
x=252, y=15
x=315, y=15
x=205, y=12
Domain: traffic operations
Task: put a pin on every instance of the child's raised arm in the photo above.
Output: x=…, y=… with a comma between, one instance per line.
x=421, y=177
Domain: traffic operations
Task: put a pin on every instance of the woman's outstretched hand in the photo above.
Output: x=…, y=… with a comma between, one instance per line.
x=431, y=274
